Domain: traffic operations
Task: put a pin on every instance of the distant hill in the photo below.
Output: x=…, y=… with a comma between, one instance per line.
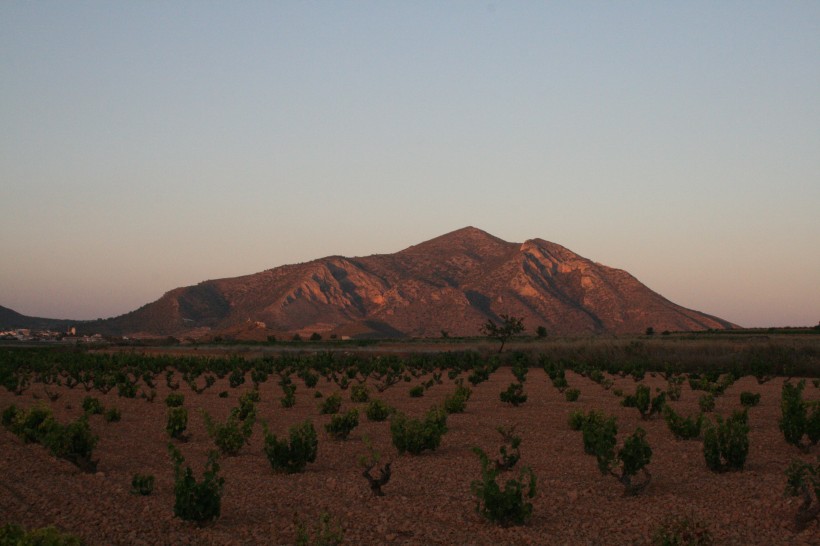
x=10, y=319
x=452, y=283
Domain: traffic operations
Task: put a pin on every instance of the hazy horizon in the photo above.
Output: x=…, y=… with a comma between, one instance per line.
x=147, y=146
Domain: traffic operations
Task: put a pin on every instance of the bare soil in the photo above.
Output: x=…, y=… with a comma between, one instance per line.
x=428, y=500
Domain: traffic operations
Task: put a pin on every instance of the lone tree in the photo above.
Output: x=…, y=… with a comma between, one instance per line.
x=509, y=327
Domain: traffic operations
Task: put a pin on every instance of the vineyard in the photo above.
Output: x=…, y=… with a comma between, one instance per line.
x=632, y=443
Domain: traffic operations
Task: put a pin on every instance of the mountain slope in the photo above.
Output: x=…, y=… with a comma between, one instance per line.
x=453, y=283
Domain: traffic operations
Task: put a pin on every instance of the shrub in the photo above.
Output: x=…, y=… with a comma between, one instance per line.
x=514, y=394
x=417, y=391
x=572, y=394
x=551, y=368
x=377, y=410
x=73, y=442
x=148, y=396
x=519, y=370
x=252, y=396
x=598, y=376
x=199, y=502
x=14, y=535
x=414, y=435
x=30, y=425
x=673, y=388
x=509, y=450
x=598, y=432
x=294, y=455
x=142, y=484
x=798, y=417
x=454, y=403
x=341, y=425
x=223, y=394
x=310, y=378
x=246, y=406
x=711, y=382
x=10, y=416
x=209, y=382
x=331, y=404
x=359, y=394
x=724, y=383
x=793, y=412
x=173, y=385
x=508, y=506
x=328, y=532
x=684, y=530
x=175, y=400
x=289, y=400
x=343, y=382
x=231, y=435
x=576, y=419
x=177, y=422
x=92, y=405
x=477, y=376
x=707, y=403
x=803, y=480
x=634, y=456
x=560, y=383
x=643, y=401
x=813, y=424
x=600, y=438
x=684, y=428
x=457, y=401
x=112, y=415
x=127, y=389
x=726, y=443
x=236, y=378
x=749, y=399
x=368, y=462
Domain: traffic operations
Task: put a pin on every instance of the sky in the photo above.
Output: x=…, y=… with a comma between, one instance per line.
x=150, y=145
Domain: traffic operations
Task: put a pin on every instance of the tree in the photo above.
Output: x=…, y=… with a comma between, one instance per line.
x=509, y=327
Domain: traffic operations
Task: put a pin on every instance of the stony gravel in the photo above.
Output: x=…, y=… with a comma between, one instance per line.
x=428, y=500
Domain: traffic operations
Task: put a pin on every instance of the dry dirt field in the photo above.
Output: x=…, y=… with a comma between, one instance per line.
x=428, y=500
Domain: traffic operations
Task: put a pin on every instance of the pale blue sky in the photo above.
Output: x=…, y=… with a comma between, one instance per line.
x=150, y=145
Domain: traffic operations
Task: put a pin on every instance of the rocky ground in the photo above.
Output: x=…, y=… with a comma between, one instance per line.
x=428, y=500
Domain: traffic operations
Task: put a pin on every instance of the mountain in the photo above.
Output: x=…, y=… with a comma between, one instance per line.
x=452, y=283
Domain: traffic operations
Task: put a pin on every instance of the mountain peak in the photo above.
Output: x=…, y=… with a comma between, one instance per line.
x=467, y=239
x=469, y=231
